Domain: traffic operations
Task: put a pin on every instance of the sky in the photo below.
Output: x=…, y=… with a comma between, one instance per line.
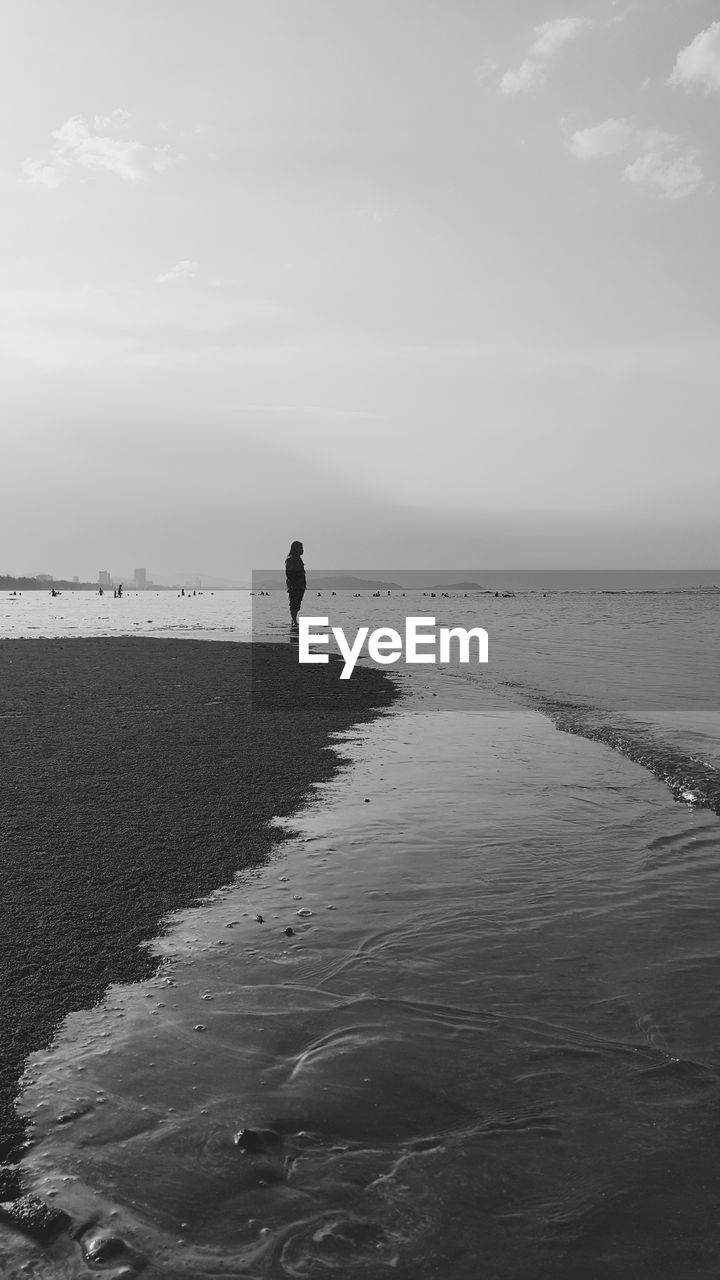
x=419, y=282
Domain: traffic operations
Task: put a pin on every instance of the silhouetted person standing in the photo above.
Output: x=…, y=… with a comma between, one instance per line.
x=295, y=579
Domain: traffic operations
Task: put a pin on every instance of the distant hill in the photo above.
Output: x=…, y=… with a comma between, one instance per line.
x=329, y=582
x=347, y=582
x=8, y=583
x=457, y=586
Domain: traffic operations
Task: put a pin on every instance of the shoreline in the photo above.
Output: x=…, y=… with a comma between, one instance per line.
x=487, y=991
x=138, y=776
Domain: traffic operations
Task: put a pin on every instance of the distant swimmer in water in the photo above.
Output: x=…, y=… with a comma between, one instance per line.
x=295, y=579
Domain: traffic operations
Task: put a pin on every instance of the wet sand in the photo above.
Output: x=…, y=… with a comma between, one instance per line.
x=138, y=775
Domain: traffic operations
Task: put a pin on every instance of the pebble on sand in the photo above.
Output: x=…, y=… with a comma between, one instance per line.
x=99, y=1247
x=258, y=1141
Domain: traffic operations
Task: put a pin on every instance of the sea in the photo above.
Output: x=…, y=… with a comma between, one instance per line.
x=490, y=1046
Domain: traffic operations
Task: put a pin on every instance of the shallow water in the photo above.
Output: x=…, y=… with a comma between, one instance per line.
x=217, y=615
x=638, y=671
x=491, y=1049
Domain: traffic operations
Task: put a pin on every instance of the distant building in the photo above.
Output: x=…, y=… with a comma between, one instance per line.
x=141, y=579
x=75, y=578
x=104, y=578
x=43, y=577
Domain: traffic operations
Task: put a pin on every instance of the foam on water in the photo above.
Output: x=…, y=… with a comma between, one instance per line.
x=691, y=778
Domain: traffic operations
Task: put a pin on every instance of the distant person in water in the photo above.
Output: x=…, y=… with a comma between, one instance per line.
x=295, y=579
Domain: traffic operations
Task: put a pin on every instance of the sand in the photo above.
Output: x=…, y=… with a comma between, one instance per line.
x=136, y=776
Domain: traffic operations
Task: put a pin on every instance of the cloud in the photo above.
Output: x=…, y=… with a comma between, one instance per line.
x=118, y=119
x=528, y=76
x=79, y=146
x=676, y=175
x=549, y=39
x=699, y=63
x=662, y=160
x=551, y=36
x=180, y=273
x=46, y=175
x=606, y=139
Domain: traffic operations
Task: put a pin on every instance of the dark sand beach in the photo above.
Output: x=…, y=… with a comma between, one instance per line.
x=136, y=776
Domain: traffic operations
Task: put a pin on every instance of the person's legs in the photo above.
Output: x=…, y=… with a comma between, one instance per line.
x=295, y=602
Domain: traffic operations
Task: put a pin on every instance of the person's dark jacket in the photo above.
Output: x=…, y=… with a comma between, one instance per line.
x=295, y=575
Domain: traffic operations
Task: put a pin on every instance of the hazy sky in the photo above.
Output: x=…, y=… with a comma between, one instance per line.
x=420, y=282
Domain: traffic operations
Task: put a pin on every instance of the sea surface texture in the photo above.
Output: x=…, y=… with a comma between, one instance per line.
x=465, y=1023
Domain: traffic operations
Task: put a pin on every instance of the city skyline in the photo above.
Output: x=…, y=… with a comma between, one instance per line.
x=138, y=580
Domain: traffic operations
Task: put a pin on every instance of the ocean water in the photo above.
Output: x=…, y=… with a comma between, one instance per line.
x=217, y=615
x=490, y=1045
x=638, y=670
